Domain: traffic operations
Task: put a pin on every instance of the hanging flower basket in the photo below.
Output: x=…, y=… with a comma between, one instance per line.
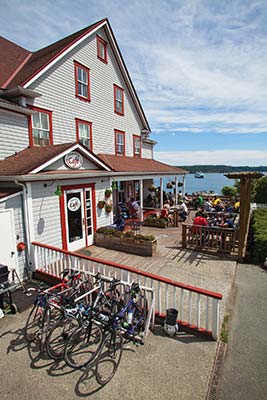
x=180, y=184
x=21, y=246
x=108, y=208
x=173, y=183
x=152, y=188
x=101, y=204
x=108, y=193
x=169, y=185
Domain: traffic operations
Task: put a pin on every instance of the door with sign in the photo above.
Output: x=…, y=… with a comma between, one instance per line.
x=78, y=213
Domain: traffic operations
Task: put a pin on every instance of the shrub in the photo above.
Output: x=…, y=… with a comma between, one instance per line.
x=229, y=191
x=260, y=188
x=258, y=247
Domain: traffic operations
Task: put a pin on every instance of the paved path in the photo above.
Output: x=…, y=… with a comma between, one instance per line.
x=244, y=374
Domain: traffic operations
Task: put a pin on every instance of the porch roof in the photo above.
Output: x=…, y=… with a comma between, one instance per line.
x=144, y=165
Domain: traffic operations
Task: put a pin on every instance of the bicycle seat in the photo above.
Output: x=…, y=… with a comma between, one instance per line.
x=74, y=274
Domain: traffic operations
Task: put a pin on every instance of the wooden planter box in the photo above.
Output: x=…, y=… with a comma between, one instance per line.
x=128, y=245
x=154, y=225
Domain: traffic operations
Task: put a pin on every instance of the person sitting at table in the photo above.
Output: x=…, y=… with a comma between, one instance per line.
x=208, y=205
x=237, y=205
x=201, y=212
x=183, y=210
x=228, y=222
x=134, y=208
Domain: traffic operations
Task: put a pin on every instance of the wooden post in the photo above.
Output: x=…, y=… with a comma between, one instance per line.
x=141, y=200
x=184, y=236
x=161, y=193
x=176, y=191
x=245, y=189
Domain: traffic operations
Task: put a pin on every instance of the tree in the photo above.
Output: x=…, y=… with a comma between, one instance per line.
x=260, y=191
x=229, y=191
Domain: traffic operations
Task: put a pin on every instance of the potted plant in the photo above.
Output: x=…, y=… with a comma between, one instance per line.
x=108, y=208
x=101, y=204
x=108, y=193
x=180, y=184
x=169, y=185
x=152, y=188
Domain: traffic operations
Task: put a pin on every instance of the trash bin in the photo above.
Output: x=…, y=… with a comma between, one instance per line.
x=171, y=316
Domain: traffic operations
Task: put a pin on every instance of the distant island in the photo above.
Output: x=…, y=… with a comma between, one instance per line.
x=223, y=169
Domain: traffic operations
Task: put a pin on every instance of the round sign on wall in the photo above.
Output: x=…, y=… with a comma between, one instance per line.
x=73, y=160
x=74, y=204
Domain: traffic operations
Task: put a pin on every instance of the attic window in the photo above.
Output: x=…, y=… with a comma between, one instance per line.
x=102, y=53
x=82, y=82
x=41, y=128
x=118, y=100
x=136, y=146
x=119, y=143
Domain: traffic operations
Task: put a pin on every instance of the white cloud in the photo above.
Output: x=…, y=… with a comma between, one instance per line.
x=203, y=157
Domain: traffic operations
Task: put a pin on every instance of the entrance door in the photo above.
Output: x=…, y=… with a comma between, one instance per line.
x=7, y=240
x=78, y=216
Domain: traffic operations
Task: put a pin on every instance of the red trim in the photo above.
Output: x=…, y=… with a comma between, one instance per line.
x=101, y=41
x=81, y=121
x=62, y=210
x=194, y=289
x=41, y=110
x=116, y=87
x=64, y=49
x=122, y=133
x=136, y=155
x=87, y=70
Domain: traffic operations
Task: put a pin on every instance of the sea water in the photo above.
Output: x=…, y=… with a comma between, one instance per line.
x=211, y=182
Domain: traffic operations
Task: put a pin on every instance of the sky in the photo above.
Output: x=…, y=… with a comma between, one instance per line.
x=199, y=67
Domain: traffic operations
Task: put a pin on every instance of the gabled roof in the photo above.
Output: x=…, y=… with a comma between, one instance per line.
x=12, y=56
x=34, y=159
x=38, y=62
x=44, y=56
x=143, y=165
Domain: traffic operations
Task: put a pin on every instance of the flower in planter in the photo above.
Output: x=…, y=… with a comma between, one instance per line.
x=108, y=208
x=108, y=192
x=101, y=204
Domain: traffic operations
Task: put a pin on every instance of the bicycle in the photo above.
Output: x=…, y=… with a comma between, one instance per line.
x=38, y=321
x=128, y=322
x=84, y=342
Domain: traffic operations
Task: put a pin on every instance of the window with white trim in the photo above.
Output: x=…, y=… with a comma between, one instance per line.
x=136, y=146
x=84, y=133
x=41, y=128
x=120, y=143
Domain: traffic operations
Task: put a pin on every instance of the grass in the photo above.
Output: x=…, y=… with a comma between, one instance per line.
x=225, y=329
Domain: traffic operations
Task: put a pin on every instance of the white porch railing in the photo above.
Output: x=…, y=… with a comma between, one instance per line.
x=198, y=308
x=256, y=206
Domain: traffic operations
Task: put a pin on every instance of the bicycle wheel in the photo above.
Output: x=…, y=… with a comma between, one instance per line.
x=109, y=357
x=58, y=335
x=33, y=323
x=140, y=316
x=83, y=345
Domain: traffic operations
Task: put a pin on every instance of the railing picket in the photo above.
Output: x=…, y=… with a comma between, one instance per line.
x=198, y=310
x=190, y=307
x=166, y=297
x=181, y=304
x=207, y=313
x=159, y=297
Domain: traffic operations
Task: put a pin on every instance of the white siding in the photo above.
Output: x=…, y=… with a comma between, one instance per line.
x=13, y=133
x=15, y=204
x=46, y=209
x=147, y=150
x=57, y=87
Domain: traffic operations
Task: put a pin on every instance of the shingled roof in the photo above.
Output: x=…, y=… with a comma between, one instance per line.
x=145, y=165
x=37, y=59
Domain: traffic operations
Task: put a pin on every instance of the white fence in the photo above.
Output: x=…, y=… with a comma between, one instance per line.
x=198, y=308
x=255, y=206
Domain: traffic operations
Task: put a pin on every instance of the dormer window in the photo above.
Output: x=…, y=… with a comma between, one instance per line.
x=41, y=128
x=118, y=100
x=136, y=146
x=102, y=53
x=84, y=133
x=119, y=143
x=82, y=82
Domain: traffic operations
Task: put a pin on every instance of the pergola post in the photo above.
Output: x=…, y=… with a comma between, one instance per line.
x=161, y=193
x=176, y=190
x=244, y=211
x=141, y=200
x=183, y=185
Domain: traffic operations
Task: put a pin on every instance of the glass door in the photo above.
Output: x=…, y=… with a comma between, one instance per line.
x=74, y=211
x=89, y=217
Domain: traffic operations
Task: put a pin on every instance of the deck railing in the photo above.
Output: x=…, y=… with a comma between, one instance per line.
x=198, y=308
x=209, y=238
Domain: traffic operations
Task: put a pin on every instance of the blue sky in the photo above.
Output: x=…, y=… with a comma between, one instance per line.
x=199, y=67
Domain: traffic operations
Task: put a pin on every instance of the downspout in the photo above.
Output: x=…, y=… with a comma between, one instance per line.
x=26, y=227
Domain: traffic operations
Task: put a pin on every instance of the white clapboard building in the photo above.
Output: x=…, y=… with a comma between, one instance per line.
x=71, y=127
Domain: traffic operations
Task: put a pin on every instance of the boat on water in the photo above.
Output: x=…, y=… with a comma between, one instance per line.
x=199, y=175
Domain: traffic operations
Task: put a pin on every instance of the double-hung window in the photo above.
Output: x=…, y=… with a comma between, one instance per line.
x=41, y=128
x=118, y=100
x=84, y=133
x=119, y=143
x=82, y=82
x=136, y=146
x=102, y=53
